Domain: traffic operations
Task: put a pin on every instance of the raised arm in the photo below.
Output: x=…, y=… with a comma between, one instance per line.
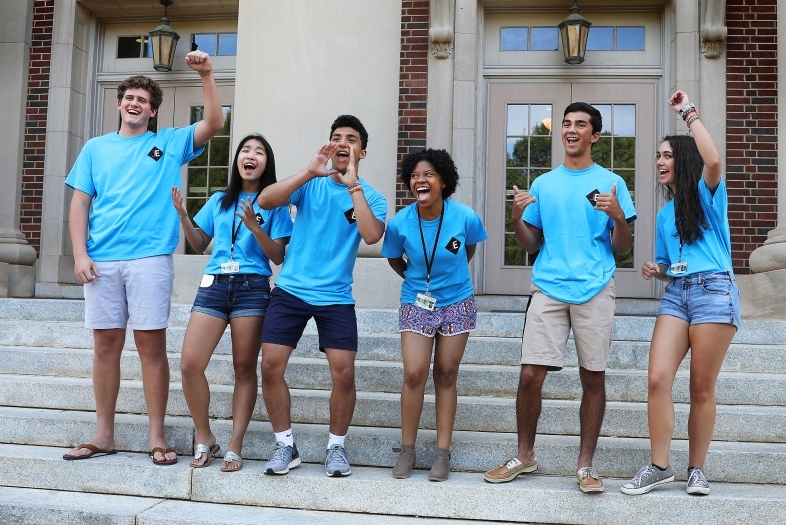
x=278, y=194
x=213, y=122
x=198, y=239
x=370, y=228
x=621, y=236
x=528, y=235
x=274, y=249
x=713, y=167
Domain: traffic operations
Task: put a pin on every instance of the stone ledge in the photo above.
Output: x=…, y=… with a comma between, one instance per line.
x=762, y=295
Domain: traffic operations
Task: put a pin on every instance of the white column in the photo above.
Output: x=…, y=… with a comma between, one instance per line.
x=439, y=116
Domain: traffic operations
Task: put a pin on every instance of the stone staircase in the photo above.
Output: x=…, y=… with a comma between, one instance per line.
x=46, y=406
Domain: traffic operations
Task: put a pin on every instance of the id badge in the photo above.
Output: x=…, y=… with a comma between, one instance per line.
x=425, y=301
x=230, y=267
x=679, y=268
x=207, y=281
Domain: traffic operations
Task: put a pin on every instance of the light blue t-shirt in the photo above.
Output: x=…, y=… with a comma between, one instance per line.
x=450, y=280
x=325, y=239
x=576, y=260
x=130, y=180
x=711, y=253
x=248, y=253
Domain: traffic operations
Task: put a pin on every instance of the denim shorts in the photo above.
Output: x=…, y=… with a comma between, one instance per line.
x=234, y=295
x=453, y=319
x=703, y=298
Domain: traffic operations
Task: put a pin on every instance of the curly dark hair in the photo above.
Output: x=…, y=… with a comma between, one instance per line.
x=442, y=162
x=142, y=82
x=236, y=182
x=350, y=121
x=688, y=166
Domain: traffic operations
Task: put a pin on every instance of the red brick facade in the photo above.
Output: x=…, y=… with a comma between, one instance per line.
x=35, y=122
x=751, y=125
x=412, y=90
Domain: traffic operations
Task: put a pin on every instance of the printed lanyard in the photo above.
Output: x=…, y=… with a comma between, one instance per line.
x=430, y=263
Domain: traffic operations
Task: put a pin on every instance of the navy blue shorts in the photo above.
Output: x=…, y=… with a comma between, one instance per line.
x=287, y=317
x=234, y=295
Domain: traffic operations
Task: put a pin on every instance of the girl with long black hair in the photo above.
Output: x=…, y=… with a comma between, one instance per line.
x=700, y=307
x=235, y=290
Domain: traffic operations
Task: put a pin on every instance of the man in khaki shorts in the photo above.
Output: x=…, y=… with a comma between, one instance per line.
x=577, y=215
x=124, y=230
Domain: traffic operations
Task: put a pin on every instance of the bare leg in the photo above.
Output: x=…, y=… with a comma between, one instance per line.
x=709, y=343
x=246, y=332
x=203, y=333
x=593, y=406
x=108, y=346
x=528, y=405
x=275, y=391
x=151, y=346
x=447, y=357
x=416, y=354
x=667, y=350
x=343, y=396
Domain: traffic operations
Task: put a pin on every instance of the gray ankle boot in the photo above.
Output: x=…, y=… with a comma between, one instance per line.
x=406, y=460
x=440, y=469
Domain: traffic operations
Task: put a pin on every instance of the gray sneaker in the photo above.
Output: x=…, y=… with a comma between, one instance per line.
x=646, y=479
x=336, y=463
x=697, y=483
x=284, y=458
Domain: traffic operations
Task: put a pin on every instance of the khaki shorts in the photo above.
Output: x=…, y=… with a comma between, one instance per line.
x=548, y=323
x=137, y=293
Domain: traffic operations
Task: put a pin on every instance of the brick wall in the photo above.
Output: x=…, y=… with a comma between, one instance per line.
x=751, y=125
x=35, y=122
x=412, y=91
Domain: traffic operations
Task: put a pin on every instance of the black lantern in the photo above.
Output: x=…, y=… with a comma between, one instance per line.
x=574, y=31
x=164, y=41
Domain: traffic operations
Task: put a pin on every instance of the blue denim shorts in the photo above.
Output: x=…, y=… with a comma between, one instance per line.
x=703, y=298
x=234, y=295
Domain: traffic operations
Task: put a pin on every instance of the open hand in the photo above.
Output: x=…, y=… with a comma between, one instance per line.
x=247, y=214
x=521, y=199
x=318, y=165
x=678, y=101
x=650, y=270
x=179, y=202
x=351, y=176
x=609, y=204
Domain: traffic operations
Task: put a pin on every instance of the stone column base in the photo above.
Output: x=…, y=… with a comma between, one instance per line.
x=762, y=295
x=17, y=280
x=772, y=254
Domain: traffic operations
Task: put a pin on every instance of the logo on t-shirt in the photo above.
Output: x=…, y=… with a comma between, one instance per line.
x=350, y=215
x=453, y=245
x=593, y=197
x=155, y=154
x=260, y=220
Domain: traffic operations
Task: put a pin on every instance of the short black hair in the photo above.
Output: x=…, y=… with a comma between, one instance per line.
x=595, y=118
x=350, y=121
x=442, y=162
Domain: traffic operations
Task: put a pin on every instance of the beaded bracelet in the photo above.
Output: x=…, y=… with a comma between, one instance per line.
x=690, y=120
x=355, y=187
x=686, y=110
x=204, y=74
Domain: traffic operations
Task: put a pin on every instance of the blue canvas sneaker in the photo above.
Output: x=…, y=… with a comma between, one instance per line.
x=283, y=459
x=336, y=463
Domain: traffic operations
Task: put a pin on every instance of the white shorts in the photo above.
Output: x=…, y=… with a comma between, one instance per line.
x=135, y=293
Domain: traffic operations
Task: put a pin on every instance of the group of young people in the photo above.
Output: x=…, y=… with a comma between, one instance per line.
x=124, y=220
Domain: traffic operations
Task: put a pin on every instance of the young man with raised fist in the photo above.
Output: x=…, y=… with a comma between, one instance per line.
x=577, y=215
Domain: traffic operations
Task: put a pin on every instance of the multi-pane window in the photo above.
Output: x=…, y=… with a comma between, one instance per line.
x=215, y=44
x=528, y=39
x=615, y=39
x=209, y=172
x=528, y=151
x=616, y=151
x=137, y=46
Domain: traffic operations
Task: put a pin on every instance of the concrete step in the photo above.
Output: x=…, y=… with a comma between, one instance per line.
x=45, y=507
x=532, y=498
x=372, y=446
x=733, y=388
x=377, y=409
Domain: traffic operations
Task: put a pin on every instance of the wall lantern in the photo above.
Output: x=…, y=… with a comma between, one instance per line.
x=164, y=41
x=573, y=32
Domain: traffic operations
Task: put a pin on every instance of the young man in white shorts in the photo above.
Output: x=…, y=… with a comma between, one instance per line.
x=577, y=216
x=124, y=231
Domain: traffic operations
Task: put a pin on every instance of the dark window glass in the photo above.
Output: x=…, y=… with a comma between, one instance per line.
x=600, y=39
x=544, y=39
x=129, y=47
x=204, y=42
x=630, y=38
x=513, y=39
x=227, y=44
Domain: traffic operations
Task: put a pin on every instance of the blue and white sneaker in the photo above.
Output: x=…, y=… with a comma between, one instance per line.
x=336, y=463
x=284, y=458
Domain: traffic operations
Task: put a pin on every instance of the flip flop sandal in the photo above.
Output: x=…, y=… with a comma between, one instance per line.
x=204, y=449
x=164, y=452
x=94, y=452
x=229, y=457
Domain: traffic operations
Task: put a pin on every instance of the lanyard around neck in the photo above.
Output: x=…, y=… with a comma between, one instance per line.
x=236, y=230
x=430, y=263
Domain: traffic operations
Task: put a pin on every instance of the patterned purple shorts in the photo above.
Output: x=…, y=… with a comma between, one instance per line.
x=454, y=319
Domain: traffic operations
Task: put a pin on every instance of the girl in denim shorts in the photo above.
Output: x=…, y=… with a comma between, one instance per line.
x=235, y=290
x=438, y=237
x=700, y=308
